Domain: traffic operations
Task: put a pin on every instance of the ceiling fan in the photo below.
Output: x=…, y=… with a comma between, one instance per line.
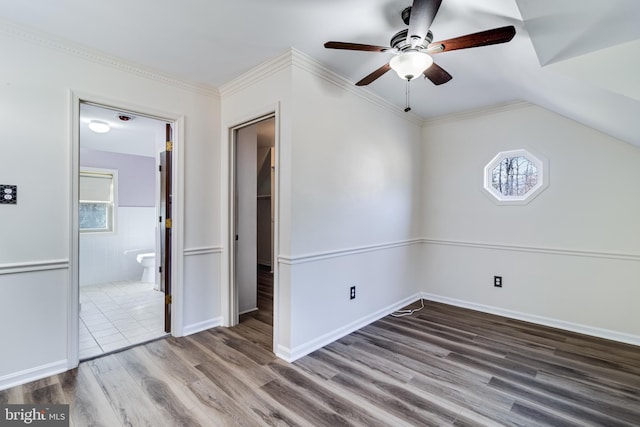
x=414, y=46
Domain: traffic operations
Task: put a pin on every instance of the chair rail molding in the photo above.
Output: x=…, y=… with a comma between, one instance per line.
x=29, y=266
x=534, y=249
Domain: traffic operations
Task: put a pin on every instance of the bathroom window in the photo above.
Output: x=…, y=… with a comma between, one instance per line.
x=97, y=201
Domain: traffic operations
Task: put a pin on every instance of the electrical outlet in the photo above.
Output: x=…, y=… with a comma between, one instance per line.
x=352, y=292
x=497, y=281
x=8, y=194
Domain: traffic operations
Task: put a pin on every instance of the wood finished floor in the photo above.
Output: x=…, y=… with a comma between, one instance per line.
x=441, y=366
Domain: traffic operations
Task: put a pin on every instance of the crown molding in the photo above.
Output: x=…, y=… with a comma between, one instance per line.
x=307, y=63
x=257, y=73
x=294, y=58
x=49, y=41
x=477, y=112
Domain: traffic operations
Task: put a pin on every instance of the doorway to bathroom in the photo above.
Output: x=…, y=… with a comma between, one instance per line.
x=124, y=206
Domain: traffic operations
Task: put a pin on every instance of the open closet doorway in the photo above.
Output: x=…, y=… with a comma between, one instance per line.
x=254, y=196
x=124, y=229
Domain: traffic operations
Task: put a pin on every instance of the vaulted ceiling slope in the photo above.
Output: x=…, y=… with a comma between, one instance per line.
x=579, y=58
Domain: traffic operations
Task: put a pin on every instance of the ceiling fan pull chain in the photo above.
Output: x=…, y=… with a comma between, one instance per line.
x=408, y=108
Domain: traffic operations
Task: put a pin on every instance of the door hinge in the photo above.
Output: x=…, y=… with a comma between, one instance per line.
x=160, y=269
x=159, y=168
x=168, y=223
x=169, y=146
x=167, y=299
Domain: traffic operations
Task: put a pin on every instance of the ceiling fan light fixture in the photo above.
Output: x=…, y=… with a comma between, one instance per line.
x=410, y=65
x=99, y=126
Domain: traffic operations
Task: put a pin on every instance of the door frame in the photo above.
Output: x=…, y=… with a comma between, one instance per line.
x=177, y=212
x=229, y=292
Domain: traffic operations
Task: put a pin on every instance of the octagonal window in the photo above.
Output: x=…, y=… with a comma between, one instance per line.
x=515, y=177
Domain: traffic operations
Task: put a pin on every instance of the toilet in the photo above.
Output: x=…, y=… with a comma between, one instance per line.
x=148, y=261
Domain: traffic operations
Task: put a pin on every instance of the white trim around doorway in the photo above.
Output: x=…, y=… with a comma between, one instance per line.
x=229, y=295
x=177, y=244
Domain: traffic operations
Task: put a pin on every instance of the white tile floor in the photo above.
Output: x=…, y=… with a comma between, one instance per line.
x=117, y=315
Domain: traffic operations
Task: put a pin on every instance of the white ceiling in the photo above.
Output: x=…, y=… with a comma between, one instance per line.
x=140, y=136
x=580, y=58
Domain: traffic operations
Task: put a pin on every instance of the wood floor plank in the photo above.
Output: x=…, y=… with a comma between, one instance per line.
x=250, y=331
x=420, y=359
x=317, y=391
x=48, y=394
x=128, y=399
x=224, y=357
x=240, y=343
x=542, y=417
x=375, y=389
x=309, y=410
x=170, y=362
x=372, y=361
x=558, y=405
x=89, y=406
x=448, y=341
x=582, y=372
x=222, y=410
x=158, y=386
x=12, y=395
x=316, y=367
x=627, y=397
x=257, y=406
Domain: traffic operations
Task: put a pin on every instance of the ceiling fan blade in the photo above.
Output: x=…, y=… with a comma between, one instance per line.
x=356, y=46
x=483, y=38
x=422, y=14
x=374, y=76
x=437, y=74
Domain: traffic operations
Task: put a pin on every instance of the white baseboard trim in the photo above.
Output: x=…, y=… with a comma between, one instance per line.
x=540, y=320
x=291, y=355
x=251, y=310
x=194, y=328
x=33, y=374
x=284, y=353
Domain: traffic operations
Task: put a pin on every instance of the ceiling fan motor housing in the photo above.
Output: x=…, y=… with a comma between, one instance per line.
x=399, y=41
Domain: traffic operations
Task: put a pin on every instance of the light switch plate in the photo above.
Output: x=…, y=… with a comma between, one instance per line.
x=8, y=194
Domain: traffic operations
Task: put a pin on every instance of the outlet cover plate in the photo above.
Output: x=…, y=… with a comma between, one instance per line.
x=8, y=194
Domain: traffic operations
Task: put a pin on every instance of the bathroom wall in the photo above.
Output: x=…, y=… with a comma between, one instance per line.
x=111, y=257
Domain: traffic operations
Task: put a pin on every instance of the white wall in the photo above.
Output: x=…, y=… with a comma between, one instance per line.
x=569, y=258
x=349, y=182
x=36, y=82
x=246, y=215
x=111, y=257
x=355, y=209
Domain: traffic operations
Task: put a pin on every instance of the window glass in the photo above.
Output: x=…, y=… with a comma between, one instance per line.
x=96, y=201
x=514, y=176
